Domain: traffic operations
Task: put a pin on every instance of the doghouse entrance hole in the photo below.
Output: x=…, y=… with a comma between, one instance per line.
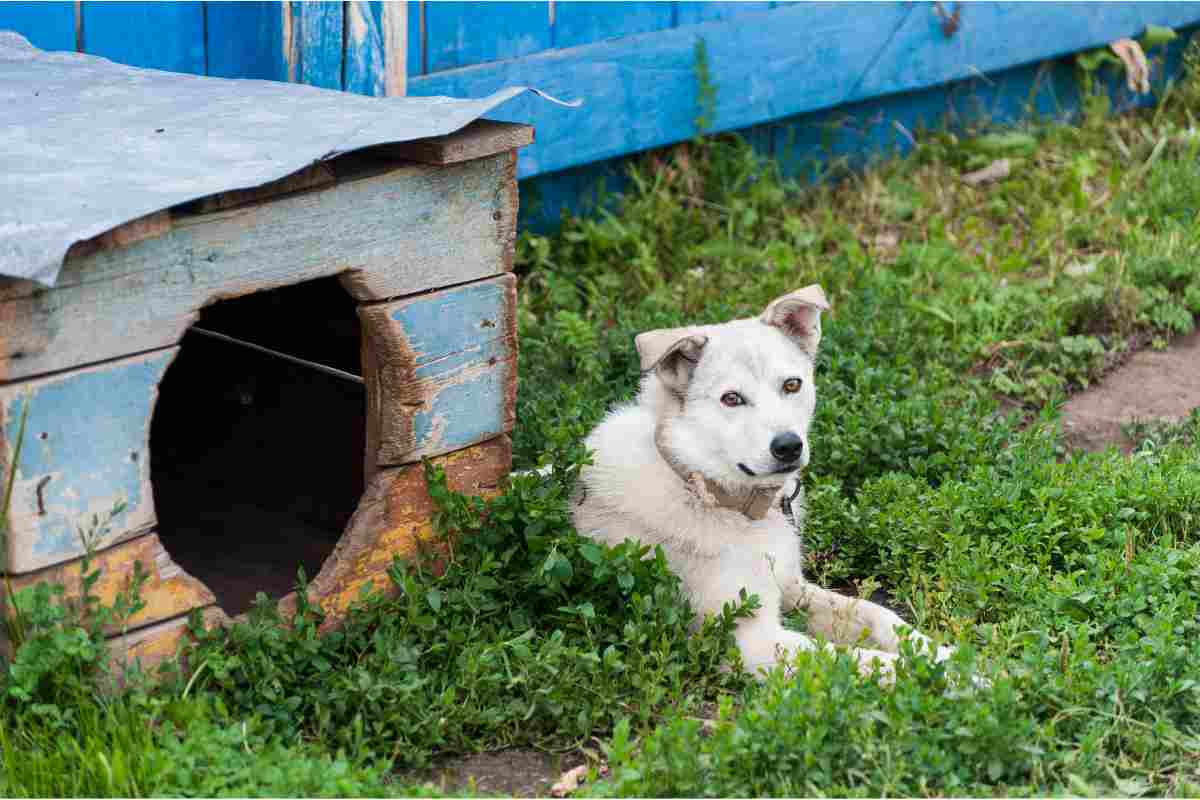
x=256, y=462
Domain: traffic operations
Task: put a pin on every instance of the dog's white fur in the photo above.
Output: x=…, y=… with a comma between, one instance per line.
x=632, y=492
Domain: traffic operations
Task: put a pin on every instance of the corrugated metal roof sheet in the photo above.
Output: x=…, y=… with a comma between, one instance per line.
x=87, y=144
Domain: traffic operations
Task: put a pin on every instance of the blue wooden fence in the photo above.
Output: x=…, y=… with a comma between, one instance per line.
x=785, y=73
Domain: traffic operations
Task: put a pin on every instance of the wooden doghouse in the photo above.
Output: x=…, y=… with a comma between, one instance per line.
x=420, y=237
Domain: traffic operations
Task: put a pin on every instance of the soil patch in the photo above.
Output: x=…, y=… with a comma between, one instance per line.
x=519, y=772
x=1150, y=385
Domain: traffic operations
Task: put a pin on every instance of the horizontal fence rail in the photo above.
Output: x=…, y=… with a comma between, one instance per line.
x=650, y=74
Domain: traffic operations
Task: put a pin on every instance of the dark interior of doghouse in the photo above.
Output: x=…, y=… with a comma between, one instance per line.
x=256, y=462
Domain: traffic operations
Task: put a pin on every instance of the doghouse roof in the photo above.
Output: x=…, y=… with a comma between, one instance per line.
x=88, y=144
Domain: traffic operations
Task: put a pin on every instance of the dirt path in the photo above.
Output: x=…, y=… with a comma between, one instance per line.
x=1150, y=385
x=519, y=772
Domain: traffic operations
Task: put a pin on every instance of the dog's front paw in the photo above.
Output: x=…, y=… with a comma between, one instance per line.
x=973, y=680
x=870, y=660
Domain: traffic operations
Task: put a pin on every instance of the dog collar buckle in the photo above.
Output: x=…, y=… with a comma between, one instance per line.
x=785, y=502
x=710, y=494
x=754, y=506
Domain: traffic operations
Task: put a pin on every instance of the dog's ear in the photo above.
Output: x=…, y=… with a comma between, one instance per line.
x=672, y=353
x=799, y=316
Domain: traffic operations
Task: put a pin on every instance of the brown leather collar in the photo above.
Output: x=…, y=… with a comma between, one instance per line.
x=753, y=504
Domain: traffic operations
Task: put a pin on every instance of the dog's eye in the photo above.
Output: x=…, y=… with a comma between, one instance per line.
x=732, y=399
x=792, y=385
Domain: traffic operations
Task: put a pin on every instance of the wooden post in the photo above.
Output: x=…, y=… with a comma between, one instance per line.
x=395, y=48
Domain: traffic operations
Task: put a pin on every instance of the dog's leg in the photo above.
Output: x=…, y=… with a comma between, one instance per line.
x=843, y=619
x=764, y=642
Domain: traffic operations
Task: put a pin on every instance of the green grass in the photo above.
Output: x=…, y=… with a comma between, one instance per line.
x=140, y=745
x=962, y=315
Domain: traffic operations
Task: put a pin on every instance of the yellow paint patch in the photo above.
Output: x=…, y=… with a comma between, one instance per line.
x=167, y=592
x=151, y=646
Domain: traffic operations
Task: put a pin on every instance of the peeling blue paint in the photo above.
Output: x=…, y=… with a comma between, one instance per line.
x=87, y=433
x=445, y=368
x=462, y=346
x=453, y=323
x=464, y=413
x=460, y=342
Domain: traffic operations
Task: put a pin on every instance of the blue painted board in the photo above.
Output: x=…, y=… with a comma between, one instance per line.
x=245, y=40
x=50, y=26
x=440, y=370
x=317, y=43
x=585, y=23
x=416, y=38
x=858, y=132
x=459, y=34
x=690, y=13
x=640, y=92
x=364, y=56
x=370, y=51
x=86, y=447
x=582, y=191
x=168, y=36
x=807, y=145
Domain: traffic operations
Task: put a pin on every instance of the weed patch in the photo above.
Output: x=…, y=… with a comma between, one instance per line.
x=527, y=635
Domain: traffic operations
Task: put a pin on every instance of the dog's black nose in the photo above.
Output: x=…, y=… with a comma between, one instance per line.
x=787, y=447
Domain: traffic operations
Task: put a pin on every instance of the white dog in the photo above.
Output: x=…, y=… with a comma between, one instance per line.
x=696, y=464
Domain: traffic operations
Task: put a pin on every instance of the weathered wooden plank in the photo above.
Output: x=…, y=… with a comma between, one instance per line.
x=398, y=43
x=459, y=34
x=393, y=520
x=440, y=370
x=49, y=26
x=641, y=93
x=244, y=40
x=854, y=133
x=86, y=448
x=691, y=13
x=581, y=190
x=131, y=232
x=479, y=139
x=151, y=646
x=166, y=36
x=584, y=23
x=808, y=143
x=398, y=230
x=311, y=177
x=167, y=592
x=289, y=41
x=365, y=70
x=317, y=39
x=376, y=55
x=416, y=38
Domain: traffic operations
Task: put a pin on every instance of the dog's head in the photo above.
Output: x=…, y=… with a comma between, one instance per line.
x=735, y=401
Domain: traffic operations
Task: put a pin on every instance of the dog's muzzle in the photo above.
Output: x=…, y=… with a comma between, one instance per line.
x=787, y=447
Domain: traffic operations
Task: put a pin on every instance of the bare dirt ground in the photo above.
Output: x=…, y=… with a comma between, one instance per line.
x=519, y=772
x=1150, y=385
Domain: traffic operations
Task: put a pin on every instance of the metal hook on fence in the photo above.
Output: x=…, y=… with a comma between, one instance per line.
x=950, y=22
